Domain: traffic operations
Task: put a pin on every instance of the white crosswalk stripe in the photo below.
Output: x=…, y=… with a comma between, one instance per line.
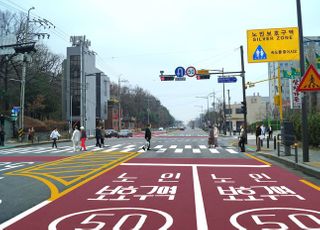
x=232, y=151
x=173, y=146
x=158, y=147
x=187, y=146
x=161, y=150
x=213, y=150
x=202, y=146
x=178, y=151
x=196, y=150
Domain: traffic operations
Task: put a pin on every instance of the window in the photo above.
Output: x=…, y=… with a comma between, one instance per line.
x=239, y=111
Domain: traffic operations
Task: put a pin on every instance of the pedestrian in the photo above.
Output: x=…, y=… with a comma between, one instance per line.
x=54, y=137
x=31, y=133
x=2, y=134
x=215, y=135
x=242, y=139
x=263, y=133
x=270, y=132
x=98, y=136
x=103, y=134
x=83, y=138
x=211, y=137
x=76, y=139
x=2, y=120
x=147, y=136
x=258, y=135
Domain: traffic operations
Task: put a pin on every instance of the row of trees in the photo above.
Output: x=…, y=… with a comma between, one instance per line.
x=44, y=79
x=140, y=104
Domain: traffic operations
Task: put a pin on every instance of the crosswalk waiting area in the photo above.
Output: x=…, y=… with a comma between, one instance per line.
x=177, y=149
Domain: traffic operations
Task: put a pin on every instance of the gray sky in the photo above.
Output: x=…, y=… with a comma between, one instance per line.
x=136, y=39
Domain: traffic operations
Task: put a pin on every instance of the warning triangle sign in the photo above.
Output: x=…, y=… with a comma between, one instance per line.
x=310, y=80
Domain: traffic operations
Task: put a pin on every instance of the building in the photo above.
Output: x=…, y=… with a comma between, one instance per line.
x=290, y=78
x=257, y=107
x=86, y=89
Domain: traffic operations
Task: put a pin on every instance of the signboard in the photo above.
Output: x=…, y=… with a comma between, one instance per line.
x=180, y=71
x=310, y=80
x=6, y=40
x=191, y=71
x=272, y=45
x=227, y=79
x=203, y=72
x=180, y=79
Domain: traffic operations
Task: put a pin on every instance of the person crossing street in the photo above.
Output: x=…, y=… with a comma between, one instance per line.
x=147, y=136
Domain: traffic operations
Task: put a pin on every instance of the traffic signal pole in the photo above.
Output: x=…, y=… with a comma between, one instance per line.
x=244, y=94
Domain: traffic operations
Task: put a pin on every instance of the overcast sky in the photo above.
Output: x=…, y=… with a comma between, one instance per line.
x=136, y=39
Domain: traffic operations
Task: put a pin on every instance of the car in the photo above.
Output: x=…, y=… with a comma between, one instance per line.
x=125, y=133
x=161, y=129
x=111, y=133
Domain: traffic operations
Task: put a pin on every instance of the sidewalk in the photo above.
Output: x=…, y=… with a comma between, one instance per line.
x=13, y=143
x=312, y=167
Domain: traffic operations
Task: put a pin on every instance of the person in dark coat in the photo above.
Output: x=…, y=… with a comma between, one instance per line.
x=242, y=139
x=147, y=136
x=258, y=134
x=2, y=134
x=98, y=136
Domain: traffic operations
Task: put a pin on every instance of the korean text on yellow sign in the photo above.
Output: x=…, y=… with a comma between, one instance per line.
x=272, y=45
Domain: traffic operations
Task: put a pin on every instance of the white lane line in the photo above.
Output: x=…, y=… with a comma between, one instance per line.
x=178, y=151
x=24, y=214
x=196, y=150
x=202, y=146
x=127, y=150
x=213, y=150
x=198, y=165
x=158, y=147
x=161, y=150
x=198, y=200
x=110, y=150
x=187, y=146
x=173, y=147
x=232, y=151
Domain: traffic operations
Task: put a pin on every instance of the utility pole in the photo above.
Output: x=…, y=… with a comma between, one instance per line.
x=224, y=109
x=230, y=120
x=148, y=111
x=304, y=111
x=24, y=70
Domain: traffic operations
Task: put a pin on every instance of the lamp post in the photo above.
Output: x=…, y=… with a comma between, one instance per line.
x=119, y=104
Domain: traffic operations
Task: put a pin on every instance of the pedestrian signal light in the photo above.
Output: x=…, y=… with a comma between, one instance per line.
x=244, y=107
x=166, y=78
x=201, y=77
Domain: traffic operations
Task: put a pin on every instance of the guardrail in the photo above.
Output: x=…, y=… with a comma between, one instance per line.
x=288, y=145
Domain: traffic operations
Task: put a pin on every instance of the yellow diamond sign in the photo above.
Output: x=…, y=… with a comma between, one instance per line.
x=273, y=45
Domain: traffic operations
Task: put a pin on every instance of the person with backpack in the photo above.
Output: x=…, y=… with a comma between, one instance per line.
x=147, y=136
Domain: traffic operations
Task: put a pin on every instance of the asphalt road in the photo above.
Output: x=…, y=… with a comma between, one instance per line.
x=38, y=182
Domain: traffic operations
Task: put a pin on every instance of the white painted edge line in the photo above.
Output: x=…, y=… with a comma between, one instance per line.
x=198, y=165
x=23, y=214
x=198, y=200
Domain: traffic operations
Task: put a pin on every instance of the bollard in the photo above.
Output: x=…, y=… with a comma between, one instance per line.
x=274, y=142
x=278, y=148
x=267, y=142
x=296, y=152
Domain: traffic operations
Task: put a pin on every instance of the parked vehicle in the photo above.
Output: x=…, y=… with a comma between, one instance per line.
x=111, y=133
x=125, y=133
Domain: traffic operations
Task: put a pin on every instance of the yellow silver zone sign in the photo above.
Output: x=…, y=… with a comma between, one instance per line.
x=272, y=45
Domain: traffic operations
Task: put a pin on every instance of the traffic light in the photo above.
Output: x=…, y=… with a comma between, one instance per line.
x=201, y=77
x=244, y=107
x=25, y=47
x=166, y=78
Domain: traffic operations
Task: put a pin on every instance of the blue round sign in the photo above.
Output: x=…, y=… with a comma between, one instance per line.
x=180, y=71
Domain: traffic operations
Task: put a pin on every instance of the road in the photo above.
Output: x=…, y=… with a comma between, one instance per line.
x=179, y=184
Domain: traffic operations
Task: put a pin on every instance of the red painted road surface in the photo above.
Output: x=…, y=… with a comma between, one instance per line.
x=183, y=194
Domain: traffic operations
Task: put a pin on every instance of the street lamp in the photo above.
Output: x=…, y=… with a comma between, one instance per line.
x=119, y=104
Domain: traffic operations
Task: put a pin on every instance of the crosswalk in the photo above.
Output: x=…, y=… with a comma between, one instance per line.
x=170, y=148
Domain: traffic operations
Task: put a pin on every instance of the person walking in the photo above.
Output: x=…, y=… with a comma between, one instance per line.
x=98, y=136
x=83, y=138
x=215, y=135
x=54, y=137
x=31, y=133
x=75, y=139
x=242, y=139
x=211, y=137
x=270, y=132
x=2, y=134
x=103, y=135
x=258, y=134
x=147, y=136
